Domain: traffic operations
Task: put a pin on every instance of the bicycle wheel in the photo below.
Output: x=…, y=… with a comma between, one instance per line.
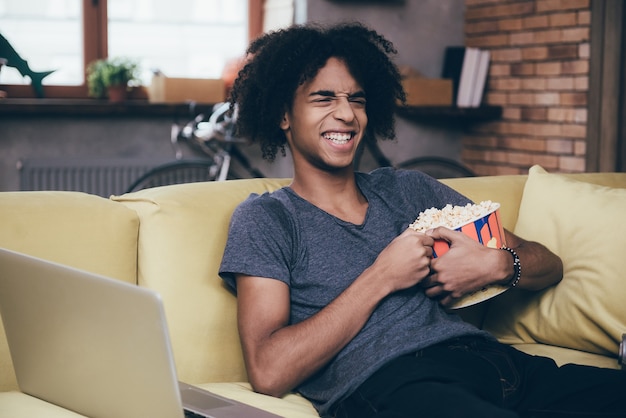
x=177, y=172
x=438, y=167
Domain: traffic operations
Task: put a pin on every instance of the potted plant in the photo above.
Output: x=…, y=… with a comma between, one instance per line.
x=111, y=77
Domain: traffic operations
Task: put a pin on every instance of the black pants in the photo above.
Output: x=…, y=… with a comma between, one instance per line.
x=478, y=378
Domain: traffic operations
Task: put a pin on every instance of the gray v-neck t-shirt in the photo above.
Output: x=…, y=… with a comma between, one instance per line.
x=283, y=237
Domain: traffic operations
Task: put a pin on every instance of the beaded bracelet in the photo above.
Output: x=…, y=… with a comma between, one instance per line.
x=517, y=267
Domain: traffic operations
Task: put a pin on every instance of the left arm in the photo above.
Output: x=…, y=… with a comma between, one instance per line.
x=469, y=266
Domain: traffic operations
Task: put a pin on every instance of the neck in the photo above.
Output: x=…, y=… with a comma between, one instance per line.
x=334, y=192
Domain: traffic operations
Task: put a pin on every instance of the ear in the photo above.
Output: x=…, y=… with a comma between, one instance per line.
x=284, y=123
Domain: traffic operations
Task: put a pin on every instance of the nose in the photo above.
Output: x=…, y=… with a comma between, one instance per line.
x=343, y=109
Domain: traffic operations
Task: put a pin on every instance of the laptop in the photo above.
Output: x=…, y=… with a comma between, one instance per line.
x=96, y=346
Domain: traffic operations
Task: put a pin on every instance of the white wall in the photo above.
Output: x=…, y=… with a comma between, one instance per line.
x=420, y=31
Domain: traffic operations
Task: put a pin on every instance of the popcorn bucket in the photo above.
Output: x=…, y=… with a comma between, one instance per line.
x=486, y=229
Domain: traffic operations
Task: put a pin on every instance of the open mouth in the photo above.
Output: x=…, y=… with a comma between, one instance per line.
x=338, y=138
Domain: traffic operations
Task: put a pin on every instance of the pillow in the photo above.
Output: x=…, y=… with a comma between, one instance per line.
x=584, y=224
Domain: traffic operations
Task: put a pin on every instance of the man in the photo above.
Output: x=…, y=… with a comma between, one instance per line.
x=337, y=298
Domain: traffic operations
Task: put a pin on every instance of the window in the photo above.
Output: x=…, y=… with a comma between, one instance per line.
x=182, y=38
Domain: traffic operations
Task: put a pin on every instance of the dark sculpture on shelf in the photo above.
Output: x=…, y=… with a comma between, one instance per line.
x=13, y=59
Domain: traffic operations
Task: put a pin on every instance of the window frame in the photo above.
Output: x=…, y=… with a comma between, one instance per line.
x=95, y=46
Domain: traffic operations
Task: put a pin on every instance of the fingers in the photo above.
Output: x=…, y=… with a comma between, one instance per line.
x=444, y=233
x=437, y=292
x=424, y=238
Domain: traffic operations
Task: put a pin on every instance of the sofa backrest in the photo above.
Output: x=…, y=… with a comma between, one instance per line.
x=171, y=239
x=182, y=235
x=76, y=229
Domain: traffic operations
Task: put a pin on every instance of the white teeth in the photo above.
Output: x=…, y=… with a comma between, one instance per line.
x=337, y=137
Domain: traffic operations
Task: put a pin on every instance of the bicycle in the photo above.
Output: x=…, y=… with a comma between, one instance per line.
x=214, y=138
x=211, y=137
x=434, y=166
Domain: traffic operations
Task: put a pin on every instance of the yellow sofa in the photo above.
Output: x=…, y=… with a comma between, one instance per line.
x=170, y=239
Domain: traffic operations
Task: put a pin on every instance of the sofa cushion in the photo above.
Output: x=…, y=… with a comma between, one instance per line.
x=182, y=235
x=77, y=229
x=291, y=405
x=583, y=224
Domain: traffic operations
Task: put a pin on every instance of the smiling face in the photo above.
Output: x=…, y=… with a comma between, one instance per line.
x=327, y=120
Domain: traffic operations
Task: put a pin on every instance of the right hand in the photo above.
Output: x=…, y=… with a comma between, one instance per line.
x=406, y=260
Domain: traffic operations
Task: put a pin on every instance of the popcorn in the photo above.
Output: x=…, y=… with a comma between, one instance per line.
x=452, y=217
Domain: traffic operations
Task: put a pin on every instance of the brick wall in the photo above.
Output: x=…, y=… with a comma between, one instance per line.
x=539, y=74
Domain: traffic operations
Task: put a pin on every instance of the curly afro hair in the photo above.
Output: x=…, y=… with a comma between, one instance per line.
x=280, y=61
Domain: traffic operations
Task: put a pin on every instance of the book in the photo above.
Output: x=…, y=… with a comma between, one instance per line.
x=468, y=68
x=468, y=77
x=481, y=78
x=452, y=65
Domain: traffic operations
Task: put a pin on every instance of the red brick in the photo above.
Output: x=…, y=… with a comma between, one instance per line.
x=580, y=147
x=549, y=36
x=547, y=99
x=574, y=99
x=506, y=84
x=491, y=11
x=583, y=50
x=541, y=85
x=509, y=25
x=560, y=83
x=486, y=41
x=496, y=99
x=534, y=83
x=575, y=67
x=520, y=158
x=574, y=131
x=525, y=144
x=567, y=114
x=548, y=68
x=572, y=164
x=584, y=17
x=535, y=53
x=480, y=27
x=522, y=68
x=546, y=129
x=563, y=19
x=534, y=113
x=551, y=5
x=506, y=55
x=557, y=52
x=522, y=38
x=521, y=128
x=560, y=146
x=511, y=113
x=499, y=156
x=575, y=34
x=521, y=99
x=499, y=70
x=581, y=83
x=535, y=22
x=549, y=162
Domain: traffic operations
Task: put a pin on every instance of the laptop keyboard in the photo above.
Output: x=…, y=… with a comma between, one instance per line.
x=190, y=414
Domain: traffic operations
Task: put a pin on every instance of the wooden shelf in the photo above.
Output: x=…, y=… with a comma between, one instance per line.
x=143, y=108
x=450, y=114
x=95, y=108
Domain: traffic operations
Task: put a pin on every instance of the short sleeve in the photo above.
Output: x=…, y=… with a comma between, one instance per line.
x=260, y=241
